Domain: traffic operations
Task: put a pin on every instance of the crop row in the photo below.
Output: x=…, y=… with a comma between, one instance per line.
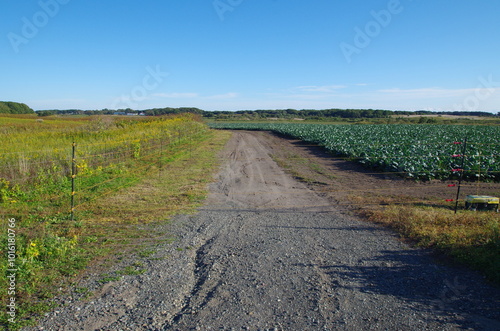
x=414, y=151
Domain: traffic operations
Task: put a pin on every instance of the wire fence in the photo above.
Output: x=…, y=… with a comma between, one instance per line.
x=69, y=178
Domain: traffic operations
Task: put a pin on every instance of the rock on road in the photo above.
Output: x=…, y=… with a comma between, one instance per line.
x=267, y=253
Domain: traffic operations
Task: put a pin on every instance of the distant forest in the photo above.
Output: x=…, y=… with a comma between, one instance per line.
x=266, y=114
x=8, y=107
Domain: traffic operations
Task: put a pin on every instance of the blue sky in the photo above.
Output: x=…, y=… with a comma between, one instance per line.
x=251, y=54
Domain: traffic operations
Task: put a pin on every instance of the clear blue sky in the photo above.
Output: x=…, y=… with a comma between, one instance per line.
x=251, y=54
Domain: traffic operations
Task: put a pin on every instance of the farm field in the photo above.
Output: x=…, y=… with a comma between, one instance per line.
x=413, y=151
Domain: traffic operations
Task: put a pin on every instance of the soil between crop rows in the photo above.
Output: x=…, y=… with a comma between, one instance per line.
x=267, y=252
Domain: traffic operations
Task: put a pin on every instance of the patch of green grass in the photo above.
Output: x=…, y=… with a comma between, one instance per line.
x=84, y=292
x=35, y=309
x=131, y=271
x=106, y=278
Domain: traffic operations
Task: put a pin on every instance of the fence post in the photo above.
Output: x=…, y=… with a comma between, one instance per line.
x=73, y=176
x=161, y=156
x=190, y=145
x=461, y=174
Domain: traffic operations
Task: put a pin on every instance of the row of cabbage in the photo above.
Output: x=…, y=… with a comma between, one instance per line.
x=414, y=151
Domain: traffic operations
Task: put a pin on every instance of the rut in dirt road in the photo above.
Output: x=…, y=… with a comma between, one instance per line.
x=267, y=253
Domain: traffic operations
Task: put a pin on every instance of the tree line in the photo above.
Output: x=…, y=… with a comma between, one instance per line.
x=128, y=111
x=20, y=108
x=332, y=113
x=9, y=107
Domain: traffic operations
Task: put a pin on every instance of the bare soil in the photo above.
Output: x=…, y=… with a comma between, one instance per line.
x=276, y=249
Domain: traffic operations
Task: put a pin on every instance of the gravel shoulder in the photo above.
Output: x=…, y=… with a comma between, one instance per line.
x=267, y=252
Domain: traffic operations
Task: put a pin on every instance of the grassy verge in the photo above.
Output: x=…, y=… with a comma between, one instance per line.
x=53, y=251
x=468, y=237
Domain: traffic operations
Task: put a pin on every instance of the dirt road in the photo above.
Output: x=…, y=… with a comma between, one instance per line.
x=267, y=253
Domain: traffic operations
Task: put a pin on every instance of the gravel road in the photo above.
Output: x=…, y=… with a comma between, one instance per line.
x=267, y=253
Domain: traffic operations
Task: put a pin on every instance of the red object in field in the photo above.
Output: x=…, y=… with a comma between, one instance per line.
x=456, y=170
x=450, y=200
x=456, y=155
x=457, y=143
x=452, y=185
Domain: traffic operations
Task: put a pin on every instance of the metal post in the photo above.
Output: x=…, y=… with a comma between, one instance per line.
x=479, y=172
x=461, y=174
x=73, y=176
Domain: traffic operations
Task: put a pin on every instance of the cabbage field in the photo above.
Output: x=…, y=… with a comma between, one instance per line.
x=414, y=151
